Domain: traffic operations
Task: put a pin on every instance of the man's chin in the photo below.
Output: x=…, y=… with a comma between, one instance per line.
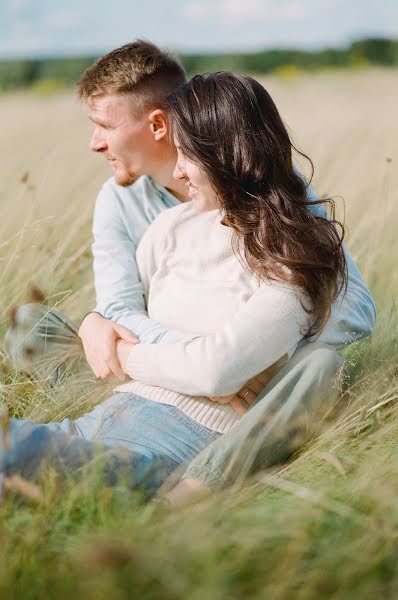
x=125, y=180
x=122, y=176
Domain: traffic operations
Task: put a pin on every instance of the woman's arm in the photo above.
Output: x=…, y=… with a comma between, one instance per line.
x=264, y=329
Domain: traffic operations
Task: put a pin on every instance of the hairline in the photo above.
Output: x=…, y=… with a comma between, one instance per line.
x=137, y=102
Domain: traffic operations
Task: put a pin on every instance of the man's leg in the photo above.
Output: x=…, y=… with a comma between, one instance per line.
x=141, y=440
x=288, y=413
x=44, y=342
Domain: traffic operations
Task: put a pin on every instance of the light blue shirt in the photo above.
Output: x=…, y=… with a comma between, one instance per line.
x=122, y=215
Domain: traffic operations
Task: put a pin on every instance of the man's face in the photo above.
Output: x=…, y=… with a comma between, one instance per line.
x=124, y=139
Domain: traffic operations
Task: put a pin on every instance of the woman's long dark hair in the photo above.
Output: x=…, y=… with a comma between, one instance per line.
x=229, y=125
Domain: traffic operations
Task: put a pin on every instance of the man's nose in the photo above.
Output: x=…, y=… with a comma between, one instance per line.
x=97, y=142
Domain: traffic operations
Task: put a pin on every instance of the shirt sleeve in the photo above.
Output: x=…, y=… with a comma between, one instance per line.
x=119, y=290
x=353, y=314
x=265, y=328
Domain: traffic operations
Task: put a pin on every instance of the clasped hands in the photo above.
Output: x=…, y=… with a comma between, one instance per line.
x=107, y=346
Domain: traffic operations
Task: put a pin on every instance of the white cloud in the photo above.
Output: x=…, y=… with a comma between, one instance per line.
x=63, y=20
x=46, y=26
x=238, y=12
x=16, y=7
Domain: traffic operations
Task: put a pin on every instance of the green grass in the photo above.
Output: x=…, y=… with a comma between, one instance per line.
x=325, y=525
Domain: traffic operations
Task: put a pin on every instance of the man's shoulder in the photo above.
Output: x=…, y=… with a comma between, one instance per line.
x=141, y=188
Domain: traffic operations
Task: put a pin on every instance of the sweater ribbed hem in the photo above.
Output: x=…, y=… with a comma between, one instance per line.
x=214, y=416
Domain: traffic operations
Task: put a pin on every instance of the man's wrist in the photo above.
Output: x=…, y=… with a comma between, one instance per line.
x=92, y=312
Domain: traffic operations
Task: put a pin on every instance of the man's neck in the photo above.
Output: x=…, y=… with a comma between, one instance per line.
x=164, y=176
x=178, y=189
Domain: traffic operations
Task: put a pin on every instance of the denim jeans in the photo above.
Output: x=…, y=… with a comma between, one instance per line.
x=140, y=439
x=288, y=413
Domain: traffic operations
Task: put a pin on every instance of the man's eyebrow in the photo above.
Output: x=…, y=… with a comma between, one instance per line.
x=97, y=121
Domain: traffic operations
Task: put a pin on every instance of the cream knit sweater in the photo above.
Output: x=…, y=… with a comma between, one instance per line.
x=240, y=325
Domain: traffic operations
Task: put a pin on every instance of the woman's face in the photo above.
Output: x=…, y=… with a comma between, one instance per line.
x=200, y=190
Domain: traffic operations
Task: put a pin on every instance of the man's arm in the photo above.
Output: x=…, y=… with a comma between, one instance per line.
x=353, y=314
x=121, y=217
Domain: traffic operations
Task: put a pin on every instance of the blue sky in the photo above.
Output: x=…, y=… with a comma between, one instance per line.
x=48, y=27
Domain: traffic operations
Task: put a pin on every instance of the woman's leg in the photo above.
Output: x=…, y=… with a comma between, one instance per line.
x=147, y=426
x=139, y=440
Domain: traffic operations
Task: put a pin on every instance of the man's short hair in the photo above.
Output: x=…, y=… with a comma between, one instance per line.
x=140, y=69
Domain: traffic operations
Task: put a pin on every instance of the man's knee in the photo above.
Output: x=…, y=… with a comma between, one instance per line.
x=319, y=363
x=36, y=333
x=26, y=318
x=22, y=340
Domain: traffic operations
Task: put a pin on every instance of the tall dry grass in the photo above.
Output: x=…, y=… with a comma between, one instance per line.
x=324, y=526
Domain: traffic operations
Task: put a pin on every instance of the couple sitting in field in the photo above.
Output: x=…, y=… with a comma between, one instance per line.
x=226, y=311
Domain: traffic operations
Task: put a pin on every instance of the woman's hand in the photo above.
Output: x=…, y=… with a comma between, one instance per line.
x=123, y=350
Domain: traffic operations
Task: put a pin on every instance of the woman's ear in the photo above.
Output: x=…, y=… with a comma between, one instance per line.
x=158, y=124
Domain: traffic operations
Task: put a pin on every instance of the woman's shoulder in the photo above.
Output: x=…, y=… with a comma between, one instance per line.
x=173, y=215
x=163, y=225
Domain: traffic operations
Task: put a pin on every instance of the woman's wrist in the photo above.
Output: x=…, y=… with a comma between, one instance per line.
x=123, y=350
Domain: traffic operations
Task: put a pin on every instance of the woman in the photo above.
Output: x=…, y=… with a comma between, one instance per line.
x=245, y=267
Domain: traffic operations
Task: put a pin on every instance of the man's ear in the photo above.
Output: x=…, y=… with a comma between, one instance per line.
x=158, y=123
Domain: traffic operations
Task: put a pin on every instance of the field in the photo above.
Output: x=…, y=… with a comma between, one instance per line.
x=325, y=525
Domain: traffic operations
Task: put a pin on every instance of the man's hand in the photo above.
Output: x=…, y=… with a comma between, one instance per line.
x=99, y=337
x=243, y=400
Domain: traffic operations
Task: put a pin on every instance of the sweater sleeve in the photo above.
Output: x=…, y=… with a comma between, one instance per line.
x=263, y=329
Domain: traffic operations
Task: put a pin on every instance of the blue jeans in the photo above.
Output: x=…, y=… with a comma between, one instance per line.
x=141, y=440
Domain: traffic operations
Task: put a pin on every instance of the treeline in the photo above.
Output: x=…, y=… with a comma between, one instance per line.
x=47, y=73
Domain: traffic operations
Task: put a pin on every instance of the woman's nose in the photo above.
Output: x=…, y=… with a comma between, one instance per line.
x=178, y=173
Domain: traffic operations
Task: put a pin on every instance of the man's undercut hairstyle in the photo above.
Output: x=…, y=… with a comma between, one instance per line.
x=139, y=69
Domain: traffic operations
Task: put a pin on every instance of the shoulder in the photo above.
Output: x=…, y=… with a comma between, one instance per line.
x=173, y=216
x=164, y=224
x=131, y=208
x=317, y=209
x=139, y=191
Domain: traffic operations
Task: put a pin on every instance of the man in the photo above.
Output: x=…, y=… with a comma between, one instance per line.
x=126, y=93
